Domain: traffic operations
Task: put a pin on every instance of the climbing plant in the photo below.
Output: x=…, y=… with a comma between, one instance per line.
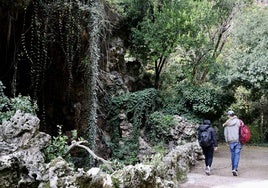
x=158, y=127
x=133, y=109
x=50, y=44
x=91, y=61
x=65, y=34
x=54, y=31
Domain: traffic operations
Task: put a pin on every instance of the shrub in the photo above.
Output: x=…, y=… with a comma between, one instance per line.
x=158, y=127
x=8, y=106
x=199, y=100
x=135, y=107
x=255, y=134
x=59, y=146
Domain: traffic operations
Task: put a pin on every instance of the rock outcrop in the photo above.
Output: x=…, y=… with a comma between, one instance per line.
x=21, y=159
x=22, y=162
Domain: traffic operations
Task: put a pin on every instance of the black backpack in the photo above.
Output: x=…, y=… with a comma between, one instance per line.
x=205, y=137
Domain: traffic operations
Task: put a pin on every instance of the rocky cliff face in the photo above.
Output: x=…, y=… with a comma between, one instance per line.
x=61, y=92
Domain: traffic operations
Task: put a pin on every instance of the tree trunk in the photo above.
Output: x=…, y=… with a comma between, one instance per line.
x=159, y=64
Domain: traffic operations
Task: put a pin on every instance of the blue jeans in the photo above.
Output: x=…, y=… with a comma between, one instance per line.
x=235, y=149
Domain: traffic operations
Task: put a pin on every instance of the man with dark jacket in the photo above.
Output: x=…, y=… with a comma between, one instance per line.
x=208, y=149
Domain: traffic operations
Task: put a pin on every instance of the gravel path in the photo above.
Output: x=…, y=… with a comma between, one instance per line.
x=253, y=170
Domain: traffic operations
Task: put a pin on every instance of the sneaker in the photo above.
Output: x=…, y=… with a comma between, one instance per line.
x=207, y=170
x=235, y=173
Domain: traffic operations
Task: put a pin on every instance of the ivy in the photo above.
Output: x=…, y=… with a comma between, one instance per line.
x=136, y=107
x=158, y=127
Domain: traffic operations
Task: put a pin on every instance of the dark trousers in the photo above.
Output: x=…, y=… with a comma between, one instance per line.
x=208, y=152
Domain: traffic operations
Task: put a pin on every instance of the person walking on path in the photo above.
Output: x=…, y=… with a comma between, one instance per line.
x=208, y=142
x=231, y=134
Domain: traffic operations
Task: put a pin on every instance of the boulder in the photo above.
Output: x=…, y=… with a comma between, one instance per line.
x=20, y=154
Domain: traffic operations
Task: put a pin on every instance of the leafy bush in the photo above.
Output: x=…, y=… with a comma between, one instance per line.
x=158, y=127
x=135, y=107
x=199, y=100
x=59, y=146
x=9, y=106
x=255, y=134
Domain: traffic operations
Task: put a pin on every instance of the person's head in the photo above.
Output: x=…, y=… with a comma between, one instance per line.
x=230, y=113
x=207, y=122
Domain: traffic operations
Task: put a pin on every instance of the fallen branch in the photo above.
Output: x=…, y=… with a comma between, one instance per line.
x=80, y=145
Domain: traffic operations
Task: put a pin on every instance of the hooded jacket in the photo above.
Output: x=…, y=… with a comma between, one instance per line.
x=211, y=131
x=231, y=130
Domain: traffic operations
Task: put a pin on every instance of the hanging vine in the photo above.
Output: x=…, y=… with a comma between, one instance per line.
x=53, y=23
x=96, y=26
x=54, y=33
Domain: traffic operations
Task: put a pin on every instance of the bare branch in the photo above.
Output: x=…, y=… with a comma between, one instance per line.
x=80, y=145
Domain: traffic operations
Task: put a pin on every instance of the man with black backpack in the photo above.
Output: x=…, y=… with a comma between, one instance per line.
x=208, y=142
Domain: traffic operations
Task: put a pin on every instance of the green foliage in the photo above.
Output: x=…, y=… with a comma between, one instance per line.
x=9, y=106
x=202, y=44
x=192, y=29
x=242, y=104
x=255, y=134
x=132, y=10
x=58, y=146
x=115, y=165
x=245, y=64
x=2, y=87
x=248, y=55
x=202, y=101
x=24, y=104
x=126, y=151
x=135, y=107
x=157, y=35
x=158, y=127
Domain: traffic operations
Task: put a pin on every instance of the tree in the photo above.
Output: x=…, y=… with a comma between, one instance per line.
x=250, y=47
x=199, y=50
x=156, y=37
x=196, y=28
x=247, y=57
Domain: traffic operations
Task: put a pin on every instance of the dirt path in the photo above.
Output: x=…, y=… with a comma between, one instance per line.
x=253, y=170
